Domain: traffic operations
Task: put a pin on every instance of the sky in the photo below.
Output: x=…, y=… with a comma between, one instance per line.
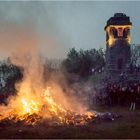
x=57, y=26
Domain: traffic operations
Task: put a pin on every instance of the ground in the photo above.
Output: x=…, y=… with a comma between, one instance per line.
x=125, y=127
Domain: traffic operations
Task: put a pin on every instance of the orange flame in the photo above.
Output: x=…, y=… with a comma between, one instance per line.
x=31, y=111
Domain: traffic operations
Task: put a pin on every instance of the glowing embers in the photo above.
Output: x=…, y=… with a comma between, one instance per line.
x=32, y=110
x=115, y=32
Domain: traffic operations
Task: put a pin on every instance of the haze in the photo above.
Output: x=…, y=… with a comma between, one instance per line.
x=54, y=27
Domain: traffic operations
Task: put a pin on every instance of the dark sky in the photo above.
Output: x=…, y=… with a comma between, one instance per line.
x=58, y=26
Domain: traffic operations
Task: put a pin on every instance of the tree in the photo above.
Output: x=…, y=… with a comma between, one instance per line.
x=9, y=75
x=72, y=62
x=84, y=61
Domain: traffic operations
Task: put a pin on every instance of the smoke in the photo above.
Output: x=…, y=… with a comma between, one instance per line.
x=33, y=86
x=23, y=43
x=30, y=22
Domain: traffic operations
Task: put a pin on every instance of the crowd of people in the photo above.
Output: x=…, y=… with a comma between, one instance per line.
x=123, y=94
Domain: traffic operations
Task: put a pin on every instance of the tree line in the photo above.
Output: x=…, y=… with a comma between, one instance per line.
x=84, y=62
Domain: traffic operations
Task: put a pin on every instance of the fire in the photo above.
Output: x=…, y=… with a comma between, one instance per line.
x=38, y=100
x=29, y=107
x=32, y=111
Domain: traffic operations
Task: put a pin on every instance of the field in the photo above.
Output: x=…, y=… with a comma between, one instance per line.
x=127, y=126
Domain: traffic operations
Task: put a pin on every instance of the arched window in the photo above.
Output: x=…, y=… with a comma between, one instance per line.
x=120, y=32
x=126, y=32
x=114, y=32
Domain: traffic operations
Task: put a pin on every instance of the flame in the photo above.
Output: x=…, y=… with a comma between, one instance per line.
x=38, y=101
x=31, y=111
x=29, y=107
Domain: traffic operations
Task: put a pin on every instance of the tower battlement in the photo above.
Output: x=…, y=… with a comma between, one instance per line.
x=118, y=19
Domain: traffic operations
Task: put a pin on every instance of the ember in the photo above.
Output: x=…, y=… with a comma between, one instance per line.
x=32, y=112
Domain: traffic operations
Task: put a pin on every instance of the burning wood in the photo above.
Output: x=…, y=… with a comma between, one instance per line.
x=32, y=112
x=37, y=101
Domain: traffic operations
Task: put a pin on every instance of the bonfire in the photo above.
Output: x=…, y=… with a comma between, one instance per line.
x=32, y=112
x=36, y=100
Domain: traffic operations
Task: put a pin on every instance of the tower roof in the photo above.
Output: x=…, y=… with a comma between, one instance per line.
x=118, y=19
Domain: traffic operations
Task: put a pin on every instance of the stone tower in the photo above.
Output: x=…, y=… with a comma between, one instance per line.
x=118, y=43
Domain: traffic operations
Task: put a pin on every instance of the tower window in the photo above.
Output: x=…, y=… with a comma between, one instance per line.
x=120, y=32
x=114, y=31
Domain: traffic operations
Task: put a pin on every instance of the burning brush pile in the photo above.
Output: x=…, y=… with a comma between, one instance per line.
x=31, y=112
x=38, y=101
